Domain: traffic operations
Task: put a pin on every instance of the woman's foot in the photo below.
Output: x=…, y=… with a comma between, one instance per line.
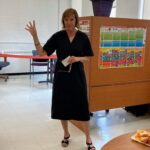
x=90, y=146
x=65, y=141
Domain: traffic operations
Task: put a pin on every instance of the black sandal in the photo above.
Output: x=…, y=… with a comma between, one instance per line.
x=65, y=141
x=90, y=146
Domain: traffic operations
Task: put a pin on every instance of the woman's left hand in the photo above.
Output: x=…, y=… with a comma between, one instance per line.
x=74, y=59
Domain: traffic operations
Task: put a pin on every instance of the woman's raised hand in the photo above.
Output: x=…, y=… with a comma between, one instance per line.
x=31, y=28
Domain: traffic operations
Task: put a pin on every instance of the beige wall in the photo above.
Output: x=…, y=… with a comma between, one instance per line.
x=14, y=16
x=146, y=14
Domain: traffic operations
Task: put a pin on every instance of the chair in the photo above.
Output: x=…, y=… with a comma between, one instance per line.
x=52, y=69
x=39, y=63
x=4, y=64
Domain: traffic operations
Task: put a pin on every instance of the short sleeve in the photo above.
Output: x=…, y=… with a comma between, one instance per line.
x=87, y=47
x=50, y=46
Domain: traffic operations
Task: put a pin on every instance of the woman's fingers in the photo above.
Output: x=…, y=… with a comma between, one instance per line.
x=27, y=26
x=33, y=23
x=30, y=23
x=31, y=27
x=73, y=59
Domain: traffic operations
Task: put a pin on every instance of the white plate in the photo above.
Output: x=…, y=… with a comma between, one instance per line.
x=135, y=139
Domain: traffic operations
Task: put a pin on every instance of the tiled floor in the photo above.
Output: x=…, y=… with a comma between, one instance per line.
x=25, y=122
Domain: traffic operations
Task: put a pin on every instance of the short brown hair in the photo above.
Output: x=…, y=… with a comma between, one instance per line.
x=68, y=12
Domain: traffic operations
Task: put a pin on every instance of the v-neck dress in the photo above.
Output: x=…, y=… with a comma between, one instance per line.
x=69, y=96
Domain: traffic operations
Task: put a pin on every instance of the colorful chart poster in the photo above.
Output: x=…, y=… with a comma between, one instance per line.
x=121, y=47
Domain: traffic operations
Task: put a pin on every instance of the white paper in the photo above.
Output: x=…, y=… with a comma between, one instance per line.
x=65, y=61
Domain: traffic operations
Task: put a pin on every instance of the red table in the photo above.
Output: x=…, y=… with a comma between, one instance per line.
x=5, y=56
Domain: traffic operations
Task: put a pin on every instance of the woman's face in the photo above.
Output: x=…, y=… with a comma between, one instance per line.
x=69, y=22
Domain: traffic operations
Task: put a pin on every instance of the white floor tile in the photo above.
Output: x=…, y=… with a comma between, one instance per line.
x=25, y=122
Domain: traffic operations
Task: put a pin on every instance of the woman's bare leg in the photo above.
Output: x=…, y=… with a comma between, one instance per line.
x=86, y=128
x=65, y=141
x=64, y=124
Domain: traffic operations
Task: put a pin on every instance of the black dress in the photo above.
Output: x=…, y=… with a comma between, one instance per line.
x=69, y=97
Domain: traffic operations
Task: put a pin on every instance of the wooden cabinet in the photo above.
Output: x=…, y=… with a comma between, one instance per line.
x=117, y=86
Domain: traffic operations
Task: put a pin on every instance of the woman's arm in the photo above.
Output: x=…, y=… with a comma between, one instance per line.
x=32, y=30
x=74, y=59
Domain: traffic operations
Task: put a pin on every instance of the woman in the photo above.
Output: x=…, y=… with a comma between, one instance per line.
x=69, y=98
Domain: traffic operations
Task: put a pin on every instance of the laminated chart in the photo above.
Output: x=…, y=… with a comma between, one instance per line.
x=121, y=47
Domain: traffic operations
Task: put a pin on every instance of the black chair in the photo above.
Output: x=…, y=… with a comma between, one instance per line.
x=39, y=63
x=52, y=69
x=4, y=64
